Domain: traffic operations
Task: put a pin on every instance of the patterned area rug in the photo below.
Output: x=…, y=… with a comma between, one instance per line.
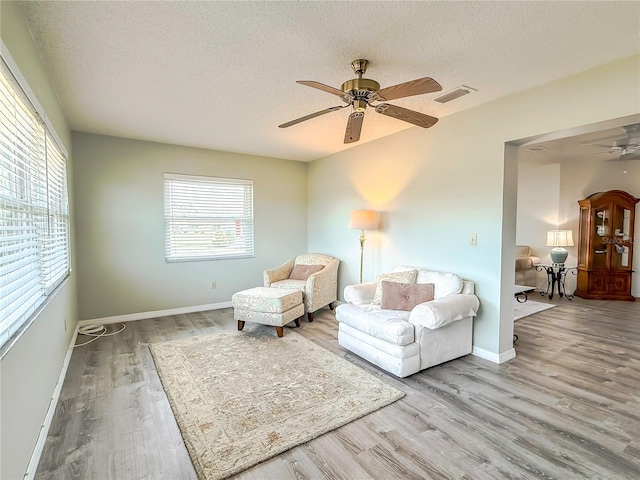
x=242, y=397
x=521, y=310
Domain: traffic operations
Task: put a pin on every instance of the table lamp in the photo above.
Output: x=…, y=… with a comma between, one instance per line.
x=559, y=239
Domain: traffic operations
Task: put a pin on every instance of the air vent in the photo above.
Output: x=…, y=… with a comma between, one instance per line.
x=538, y=148
x=453, y=94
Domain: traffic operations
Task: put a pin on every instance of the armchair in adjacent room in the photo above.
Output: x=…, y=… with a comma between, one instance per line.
x=315, y=274
x=525, y=266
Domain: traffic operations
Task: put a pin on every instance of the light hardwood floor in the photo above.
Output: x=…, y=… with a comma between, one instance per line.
x=567, y=407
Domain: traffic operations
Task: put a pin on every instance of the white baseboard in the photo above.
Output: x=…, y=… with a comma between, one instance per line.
x=53, y=403
x=130, y=317
x=494, y=357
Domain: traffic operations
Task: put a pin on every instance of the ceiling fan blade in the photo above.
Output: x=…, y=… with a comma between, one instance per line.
x=354, y=127
x=407, y=89
x=312, y=115
x=406, y=115
x=624, y=159
x=616, y=136
x=610, y=152
x=611, y=147
x=322, y=86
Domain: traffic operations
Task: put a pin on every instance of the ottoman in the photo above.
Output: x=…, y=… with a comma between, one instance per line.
x=268, y=306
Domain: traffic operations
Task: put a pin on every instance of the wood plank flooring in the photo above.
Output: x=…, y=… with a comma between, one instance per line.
x=567, y=407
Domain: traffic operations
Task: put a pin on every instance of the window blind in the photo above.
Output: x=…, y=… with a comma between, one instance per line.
x=207, y=218
x=34, y=233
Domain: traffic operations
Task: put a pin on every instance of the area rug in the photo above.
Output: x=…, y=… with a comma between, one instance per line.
x=240, y=398
x=521, y=310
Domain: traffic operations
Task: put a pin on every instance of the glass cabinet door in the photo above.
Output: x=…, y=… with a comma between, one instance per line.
x=620, y=238
x=601, y=224
x=582, y=245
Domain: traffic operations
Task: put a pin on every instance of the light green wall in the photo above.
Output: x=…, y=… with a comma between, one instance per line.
x=30, y=369
x=120, y=221
x=434, y=187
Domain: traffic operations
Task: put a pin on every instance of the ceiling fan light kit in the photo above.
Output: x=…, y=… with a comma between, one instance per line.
x=359, y=93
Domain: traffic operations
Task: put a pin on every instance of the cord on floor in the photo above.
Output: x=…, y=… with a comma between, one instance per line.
x=95, y=331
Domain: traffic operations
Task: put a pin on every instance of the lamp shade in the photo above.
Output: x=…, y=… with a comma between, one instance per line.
x=560, y=238
x=363, y=220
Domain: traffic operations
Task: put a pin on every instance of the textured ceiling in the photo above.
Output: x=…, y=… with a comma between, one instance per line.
x=221, y=75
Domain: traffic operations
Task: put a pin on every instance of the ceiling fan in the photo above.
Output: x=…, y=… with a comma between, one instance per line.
x=627, y=147
x=362, y=92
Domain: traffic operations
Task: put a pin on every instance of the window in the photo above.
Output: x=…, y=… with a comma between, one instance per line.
x=34, y=213
x=207, y=218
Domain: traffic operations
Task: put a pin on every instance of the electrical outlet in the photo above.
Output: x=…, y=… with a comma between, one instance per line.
x=213, y=285
x=473, y=239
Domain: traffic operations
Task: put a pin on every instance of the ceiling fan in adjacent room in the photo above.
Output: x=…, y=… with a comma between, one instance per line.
x=361, y=93
x=625, y=148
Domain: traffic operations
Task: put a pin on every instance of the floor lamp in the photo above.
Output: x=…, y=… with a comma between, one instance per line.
x=362, y=220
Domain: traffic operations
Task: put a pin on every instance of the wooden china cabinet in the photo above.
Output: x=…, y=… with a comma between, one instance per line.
x=605, y=246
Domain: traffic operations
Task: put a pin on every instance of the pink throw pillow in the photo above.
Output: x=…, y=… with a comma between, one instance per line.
x=405, y=296
x=302, y=272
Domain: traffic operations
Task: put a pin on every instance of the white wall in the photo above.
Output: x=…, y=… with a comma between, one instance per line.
x=437, y=186
x=538, y=204
x=30, y=369
x=538, y=209
x=120, y=222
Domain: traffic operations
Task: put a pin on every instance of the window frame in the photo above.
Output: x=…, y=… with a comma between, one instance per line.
x=188, y=228
x=33, y=196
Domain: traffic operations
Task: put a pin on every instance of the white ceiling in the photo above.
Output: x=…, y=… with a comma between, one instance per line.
x=221, y=75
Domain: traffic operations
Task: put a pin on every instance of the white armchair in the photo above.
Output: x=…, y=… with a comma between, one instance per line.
x=405, y=342
x=525, y=266
x=315, y=274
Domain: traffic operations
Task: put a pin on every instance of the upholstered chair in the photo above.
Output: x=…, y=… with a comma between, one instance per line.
x=409, y=319
x=315, y=274
x=525, y=266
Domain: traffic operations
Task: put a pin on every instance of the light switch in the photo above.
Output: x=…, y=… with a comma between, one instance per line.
x=473, y=239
